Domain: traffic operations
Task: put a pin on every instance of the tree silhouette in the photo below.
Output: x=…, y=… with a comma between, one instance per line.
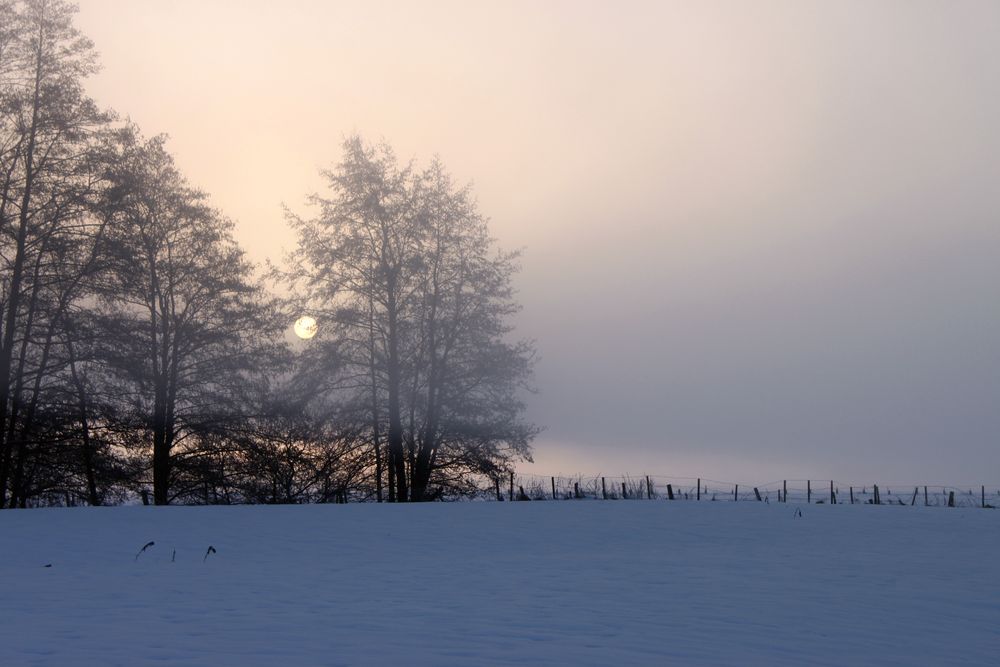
x=415, y=305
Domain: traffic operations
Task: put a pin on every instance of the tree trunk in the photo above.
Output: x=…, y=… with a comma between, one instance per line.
x=396, y=454
x=161, y=455
x=88, y=449
x=374, y=379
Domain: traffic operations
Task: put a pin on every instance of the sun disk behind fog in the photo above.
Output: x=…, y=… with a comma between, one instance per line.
x=305, y=327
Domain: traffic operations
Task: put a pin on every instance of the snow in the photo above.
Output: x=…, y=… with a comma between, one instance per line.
x=487, y=583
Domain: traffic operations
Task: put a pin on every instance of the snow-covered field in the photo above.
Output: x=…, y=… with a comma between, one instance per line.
x=575, y=583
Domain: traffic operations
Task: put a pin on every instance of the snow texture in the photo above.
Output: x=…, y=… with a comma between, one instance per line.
x=547, y=583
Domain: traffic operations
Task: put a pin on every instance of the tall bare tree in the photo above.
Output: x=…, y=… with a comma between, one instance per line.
x=47, y=135
x=188, y=329
x=415, y=304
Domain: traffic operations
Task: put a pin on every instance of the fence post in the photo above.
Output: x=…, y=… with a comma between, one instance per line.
x=982, y=491
x=604, y=489
x=852, y=494
x=698, y=496
x=576, y=489
x=512, y=486
x=951, y=499
x=809, y=491
x=624, y=494
x=553, y=488
x=736, y=492
x=878, y=501
x=670, y=492
x=497, y=482
x=926, y=501
x=756, y=493
x=833, y=498
x=649, y=488
x=913, y=500
x=784, y=486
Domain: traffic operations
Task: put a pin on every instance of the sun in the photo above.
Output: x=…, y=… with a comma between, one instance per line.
x=305, y=327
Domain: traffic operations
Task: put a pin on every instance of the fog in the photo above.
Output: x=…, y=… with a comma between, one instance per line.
x=761, y=239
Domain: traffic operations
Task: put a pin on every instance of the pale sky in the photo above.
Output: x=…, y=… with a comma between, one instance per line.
x=761, y=239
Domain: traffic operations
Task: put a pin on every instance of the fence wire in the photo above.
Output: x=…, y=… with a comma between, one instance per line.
x=519, y=486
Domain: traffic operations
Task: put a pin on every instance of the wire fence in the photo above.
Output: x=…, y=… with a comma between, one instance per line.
x=518, y=486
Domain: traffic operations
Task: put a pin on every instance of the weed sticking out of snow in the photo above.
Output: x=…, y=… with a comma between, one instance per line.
x=143, y=549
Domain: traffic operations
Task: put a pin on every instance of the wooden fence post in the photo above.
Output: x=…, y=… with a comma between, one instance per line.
x=951, y=499
x=512, y=486
x=497, y=482
x=624, y=494
x=809, y=491
x=982, y=491
x=736, y=493
x=833, y=498
x=877, y=500
x=576, y=489
x=553, y=488
x=756, y=493
x=926, y=501
x=852, y=494
x=649, y=488
x=784, y=495
x=913, y=500
x=698, y=496
x=604, y=489
x=670, y=492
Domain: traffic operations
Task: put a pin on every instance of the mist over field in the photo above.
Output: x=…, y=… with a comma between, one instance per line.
x=759, y=240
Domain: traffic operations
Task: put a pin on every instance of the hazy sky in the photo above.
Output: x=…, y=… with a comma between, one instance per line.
x=762, y=239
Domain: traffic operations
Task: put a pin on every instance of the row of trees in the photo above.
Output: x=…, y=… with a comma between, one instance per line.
x=139, y=349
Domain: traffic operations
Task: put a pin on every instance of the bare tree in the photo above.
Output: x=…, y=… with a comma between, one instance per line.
x=47, y=139
x=415, y=304
x=189, y=332
x=468, y=378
